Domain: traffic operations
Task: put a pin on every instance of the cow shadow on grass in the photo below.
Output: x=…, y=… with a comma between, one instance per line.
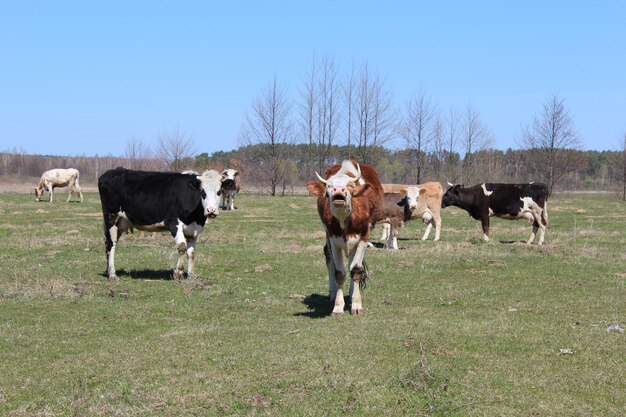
x=319, y=306
x=154, y=274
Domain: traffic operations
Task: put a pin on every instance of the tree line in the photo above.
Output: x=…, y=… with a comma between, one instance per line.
x=595, y=170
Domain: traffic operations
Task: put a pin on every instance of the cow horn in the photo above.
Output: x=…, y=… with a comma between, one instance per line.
x=325, y=182
x=450, y=184
x=358, y=173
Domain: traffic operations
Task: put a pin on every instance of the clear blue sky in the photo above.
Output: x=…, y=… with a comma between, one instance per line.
x=82, y=77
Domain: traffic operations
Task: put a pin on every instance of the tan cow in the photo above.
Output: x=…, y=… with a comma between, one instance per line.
x=422, y=201
x=59, y=178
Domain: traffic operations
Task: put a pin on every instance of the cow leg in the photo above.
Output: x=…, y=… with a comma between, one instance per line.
x=232, y=201
x=78, y=190
x=542, y=233
x=330, y=265
x=437, y=219
x=110, y=243
x=485, y=224
x=357, y=270
x=191, y=254
x=176, y=228
x=336, y=289
x=533, y=234
x=386, y=227
x=428, y=221
x=51, y=189
x=193, y=232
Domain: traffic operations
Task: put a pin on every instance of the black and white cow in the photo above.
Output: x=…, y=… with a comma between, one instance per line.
x=507, y=201
x=231, y=184
x=158, y=201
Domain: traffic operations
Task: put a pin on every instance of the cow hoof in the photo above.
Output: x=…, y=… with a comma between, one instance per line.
x=356, y=311
x=337, y=310
x=113, y=276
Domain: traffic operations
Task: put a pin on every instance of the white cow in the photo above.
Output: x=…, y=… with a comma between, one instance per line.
x=59, y=178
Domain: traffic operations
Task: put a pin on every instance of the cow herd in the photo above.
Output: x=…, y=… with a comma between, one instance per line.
x=350, y=201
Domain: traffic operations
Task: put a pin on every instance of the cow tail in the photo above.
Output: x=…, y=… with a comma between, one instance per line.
x=544, y=215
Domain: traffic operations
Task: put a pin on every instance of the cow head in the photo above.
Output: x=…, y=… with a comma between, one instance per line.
x=228, y=178
x=210, y=186
x=340, y=188
x=451, y=196
x=39, y=189
x=411, y=196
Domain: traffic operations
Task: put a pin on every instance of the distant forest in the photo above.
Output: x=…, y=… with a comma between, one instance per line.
x=593, y=170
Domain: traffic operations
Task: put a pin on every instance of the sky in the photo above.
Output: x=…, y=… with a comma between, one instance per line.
x=84, y=77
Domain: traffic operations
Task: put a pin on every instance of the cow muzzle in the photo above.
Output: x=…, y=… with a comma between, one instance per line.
x=211, y=212
x=339, y=196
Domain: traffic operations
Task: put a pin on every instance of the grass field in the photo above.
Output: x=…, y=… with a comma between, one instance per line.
x=451, y=328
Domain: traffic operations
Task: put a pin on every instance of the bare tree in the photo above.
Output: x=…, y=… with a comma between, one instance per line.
x=439, y=146
x=451, y=168
x=307, y=116
x=475, y=138
x=374, y=114
x=321, y=109
x=175, y=149
x=417, y=129
x=550, y=140
x=137, y=153
x=349, y=91
x=267, y=132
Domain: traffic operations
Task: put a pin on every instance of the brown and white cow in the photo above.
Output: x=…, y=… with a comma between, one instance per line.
x=349, y=200
x=231, y=184
x=59, y=178
x=421, y=201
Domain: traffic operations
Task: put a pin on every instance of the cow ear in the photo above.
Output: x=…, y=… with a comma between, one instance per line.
x=403, y=192
x=316, y=188
x=360, y=189
x=402, y=202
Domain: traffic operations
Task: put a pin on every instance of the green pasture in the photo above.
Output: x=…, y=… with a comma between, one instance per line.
x=458, y=327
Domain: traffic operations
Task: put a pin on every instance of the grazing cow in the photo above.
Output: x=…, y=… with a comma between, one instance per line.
x=231, y=184
x=158, y=201
x=422, y=201
x=350, y=199
x=507, y=201
x=59, y=178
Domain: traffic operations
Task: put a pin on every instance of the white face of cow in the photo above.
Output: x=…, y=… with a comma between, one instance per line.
x=210, y=187
x=412, y=197
x=339, y=189
x=229, y=174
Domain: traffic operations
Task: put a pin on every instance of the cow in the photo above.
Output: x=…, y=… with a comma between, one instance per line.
x=392, y=218
x=422, y=201
x=158, y=201
x=349, y=200
x=507, y=201
x=59, y=178
x=231, y=184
